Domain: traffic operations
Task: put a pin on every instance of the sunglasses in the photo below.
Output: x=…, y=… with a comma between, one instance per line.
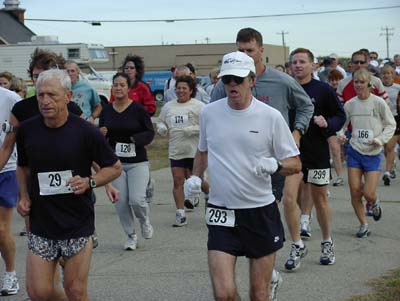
x=226, y=79
x=130, y=67
x=358, y=62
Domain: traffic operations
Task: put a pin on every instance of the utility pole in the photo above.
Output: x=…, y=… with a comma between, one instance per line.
x=283, y=33
x=387, y=32
x=207, y=39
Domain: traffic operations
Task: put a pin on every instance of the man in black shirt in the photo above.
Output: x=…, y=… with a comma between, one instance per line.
x=58, y=201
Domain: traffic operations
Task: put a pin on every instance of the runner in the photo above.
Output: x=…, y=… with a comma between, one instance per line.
x=58, y=201
x=243, y=142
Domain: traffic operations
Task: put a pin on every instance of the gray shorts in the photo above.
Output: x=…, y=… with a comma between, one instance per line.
x=51, y=249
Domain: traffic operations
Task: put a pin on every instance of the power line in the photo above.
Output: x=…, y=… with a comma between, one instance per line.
x=96, y=22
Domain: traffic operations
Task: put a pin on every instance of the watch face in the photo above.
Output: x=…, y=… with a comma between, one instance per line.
x=92, y=183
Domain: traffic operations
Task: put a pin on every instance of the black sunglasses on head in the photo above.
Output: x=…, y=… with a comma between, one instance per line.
x=226, y=79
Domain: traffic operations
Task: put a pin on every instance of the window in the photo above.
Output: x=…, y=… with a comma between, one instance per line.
x=74, y=53
x=98, y=53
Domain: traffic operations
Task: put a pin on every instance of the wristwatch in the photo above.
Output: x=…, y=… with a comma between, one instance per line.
x=301, y=131
x=92, y=182
x=7, y=127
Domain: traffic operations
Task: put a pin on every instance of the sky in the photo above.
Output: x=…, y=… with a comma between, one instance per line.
x=342, y=33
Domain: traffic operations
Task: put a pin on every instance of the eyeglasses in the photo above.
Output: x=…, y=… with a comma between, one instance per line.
x=130, y=67
x=226, y=79
x=358, y=62
x=373, y=57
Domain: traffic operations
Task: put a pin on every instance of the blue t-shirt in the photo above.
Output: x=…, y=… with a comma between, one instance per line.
x=85, y=96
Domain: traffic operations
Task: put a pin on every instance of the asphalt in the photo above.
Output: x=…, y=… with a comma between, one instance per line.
x=173, y=264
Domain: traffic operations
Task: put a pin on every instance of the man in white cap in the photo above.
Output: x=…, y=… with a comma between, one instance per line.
x=242, y=142
x=335, y=64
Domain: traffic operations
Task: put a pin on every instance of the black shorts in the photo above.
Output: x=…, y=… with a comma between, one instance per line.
x=183, y=163
x=397, y=131
x=258, y=232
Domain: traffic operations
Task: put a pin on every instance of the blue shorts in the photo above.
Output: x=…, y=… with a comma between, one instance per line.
x=363, y=162
x=8, y=189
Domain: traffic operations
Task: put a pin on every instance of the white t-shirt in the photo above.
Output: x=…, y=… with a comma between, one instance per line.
x=182, y=121
x=7, y=101
x=393, y=92
x=235, y=141
x=370, y=118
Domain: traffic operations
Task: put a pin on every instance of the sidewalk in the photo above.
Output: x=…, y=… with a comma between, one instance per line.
x=173, y=265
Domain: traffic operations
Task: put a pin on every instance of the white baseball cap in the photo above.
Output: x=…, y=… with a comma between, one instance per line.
x=238, y=64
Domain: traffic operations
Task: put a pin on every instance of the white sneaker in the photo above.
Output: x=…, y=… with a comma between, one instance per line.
x=147, y=230
x=10, y=285
x=131, y=243
x=274, y=286
x=180, y=220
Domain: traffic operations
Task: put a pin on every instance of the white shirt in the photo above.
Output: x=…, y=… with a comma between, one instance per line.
x=235, y=141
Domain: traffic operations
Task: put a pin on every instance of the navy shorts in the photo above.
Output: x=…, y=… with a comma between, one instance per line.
x=8, y=189
x=363, y=162
x=183, y=163
x=258, y=232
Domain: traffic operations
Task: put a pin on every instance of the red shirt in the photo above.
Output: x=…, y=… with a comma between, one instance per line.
x=141, y=94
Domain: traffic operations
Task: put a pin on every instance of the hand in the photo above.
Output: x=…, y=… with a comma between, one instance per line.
x=112, y=193
x=375, y=142
x=320, y=121
x=162, y=130
x=91, y=119
x=192, y=187
x=266, y=166
x=342, y=138
x=78, y=185
x=24, y=206
x=103, y=130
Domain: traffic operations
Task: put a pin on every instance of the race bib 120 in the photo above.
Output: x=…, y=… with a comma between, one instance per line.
x=126, y=150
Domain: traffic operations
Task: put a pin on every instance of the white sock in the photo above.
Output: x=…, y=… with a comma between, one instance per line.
x=299, y=243
x=274, y=275
x=327, y=240
x=181, y=212
x=13, y=273
x=304, y=218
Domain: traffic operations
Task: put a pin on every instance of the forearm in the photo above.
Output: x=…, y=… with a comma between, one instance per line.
x=200, y=163
x=7, y=148
x=107, y=174
x=290, y=166
x=22, y=177
x=97, y=110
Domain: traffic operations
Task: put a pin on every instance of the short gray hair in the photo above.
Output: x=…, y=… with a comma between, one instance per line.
x=60, y=75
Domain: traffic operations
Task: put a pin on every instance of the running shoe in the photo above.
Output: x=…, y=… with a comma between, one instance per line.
x=196, y=201
x=189, y=204
x=131, y=243
x=376, y=211
x=274, y=286
x=327, y=253
x=305, y=230
x=339, y=181
x=393, y=174
x=10, y=285
x=368, y=209
x=363, y=231
x=386, y=178
x=150, y=190
x=147, y=230
x=180, y=220
x=295, y=255
x=23, y=232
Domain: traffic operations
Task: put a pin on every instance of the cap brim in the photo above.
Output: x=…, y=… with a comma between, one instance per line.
x=235, y=72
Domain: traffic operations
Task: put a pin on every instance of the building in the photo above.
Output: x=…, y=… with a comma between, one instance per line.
x=204, y=56
x=12, y=28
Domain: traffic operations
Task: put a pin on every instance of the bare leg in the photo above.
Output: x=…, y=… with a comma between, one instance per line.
x=260, y=277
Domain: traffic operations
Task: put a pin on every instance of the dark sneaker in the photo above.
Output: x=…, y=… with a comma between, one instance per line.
x=23, y=232
x=393, y=174
x=295, y=255
x=327, y=253
x=376, y=211
x=386, y=178
x=274, y=286
x=368, y=209
x=189, y=204
x=363, y=231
